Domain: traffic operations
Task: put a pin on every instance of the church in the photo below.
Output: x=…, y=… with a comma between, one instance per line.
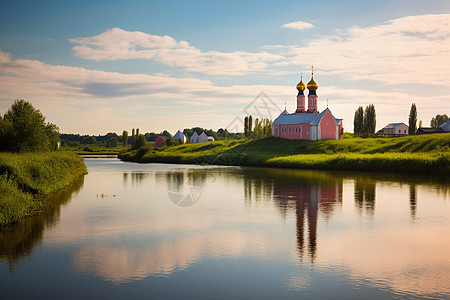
x=307, y=123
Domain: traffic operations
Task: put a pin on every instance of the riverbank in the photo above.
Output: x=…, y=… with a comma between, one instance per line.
x=25, y=178
x=427, y=154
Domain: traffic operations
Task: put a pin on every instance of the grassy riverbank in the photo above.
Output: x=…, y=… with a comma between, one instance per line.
x=26, y=177
x=418, y=154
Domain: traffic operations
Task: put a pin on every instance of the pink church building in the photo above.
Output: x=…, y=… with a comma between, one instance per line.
x=307, y=123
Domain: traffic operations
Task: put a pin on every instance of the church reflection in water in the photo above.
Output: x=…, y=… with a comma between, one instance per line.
x=308, y=200
x=310, y=195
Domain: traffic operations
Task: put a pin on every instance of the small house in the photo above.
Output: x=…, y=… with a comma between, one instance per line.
x=395, y=129
x=179, y=137
x=160, y=140
x=428, y=130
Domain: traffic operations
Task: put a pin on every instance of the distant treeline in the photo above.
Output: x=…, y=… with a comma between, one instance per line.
x=111, y=138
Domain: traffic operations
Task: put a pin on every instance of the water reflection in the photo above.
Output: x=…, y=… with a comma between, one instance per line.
x=365, y=196
x=19, y=240
x=277, y=219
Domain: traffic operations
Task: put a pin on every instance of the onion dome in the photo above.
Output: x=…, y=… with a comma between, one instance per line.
x=301, y=86
x=312, y=85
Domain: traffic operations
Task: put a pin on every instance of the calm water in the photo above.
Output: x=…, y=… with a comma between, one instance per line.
x=175, y=232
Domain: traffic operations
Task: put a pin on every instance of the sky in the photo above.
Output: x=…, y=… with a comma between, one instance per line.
x=94, y=67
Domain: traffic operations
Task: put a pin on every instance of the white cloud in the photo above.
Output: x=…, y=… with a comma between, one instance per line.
x=409, y=50
x=299, y=25
x=117, y=43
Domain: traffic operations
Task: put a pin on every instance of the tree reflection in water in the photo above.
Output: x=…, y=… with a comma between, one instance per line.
x=18, y=240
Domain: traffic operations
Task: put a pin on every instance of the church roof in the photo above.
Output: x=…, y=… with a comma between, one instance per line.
x=301, y=118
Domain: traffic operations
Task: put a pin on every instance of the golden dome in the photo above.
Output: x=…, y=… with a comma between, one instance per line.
x=301, y=86
x=312, y=85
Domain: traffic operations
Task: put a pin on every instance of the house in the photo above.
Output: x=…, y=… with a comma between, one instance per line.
x=445, y=126
x=200, y=138
x=211, y=139
x=179, y=136
x=307, y=124
x=160, y=140
x=428, y=130
x=395, y=129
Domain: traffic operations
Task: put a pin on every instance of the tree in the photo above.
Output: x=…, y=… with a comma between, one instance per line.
x=125, y=137
x=140, y=141
x=113, y=142
x=258, y=130
x=137, y=131
x=250, y=125
x=412, y=119
x=225, y=134
x=370, y=121
x=246, y=126
x=358, y=121
x=23, y=129
x=438, y=120
x=420, y=124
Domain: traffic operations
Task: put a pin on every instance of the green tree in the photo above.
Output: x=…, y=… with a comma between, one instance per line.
x=370, y=121
x=246, y=126
x=250, y=126
x=358, y=121
x=125, y=137
x=140, y=141
x=113, y=142
x=438, y=120
x=420, y=124
x=412, y=119
x=258, y=130
x=23, y=129
x=225, y=134
x=137, y=131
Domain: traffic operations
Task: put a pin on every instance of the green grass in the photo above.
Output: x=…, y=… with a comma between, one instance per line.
x=25, y=176
x=95, y=149
x=424, y=153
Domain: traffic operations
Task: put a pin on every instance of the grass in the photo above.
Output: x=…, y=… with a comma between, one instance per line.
x=419, y=154
x=95, y=149
x=25, y=177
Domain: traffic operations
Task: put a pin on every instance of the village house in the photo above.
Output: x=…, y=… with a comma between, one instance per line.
x=307, y=123
x=394, y=129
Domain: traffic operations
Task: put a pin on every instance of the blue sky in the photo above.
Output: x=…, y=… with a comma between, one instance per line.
x=94, y=67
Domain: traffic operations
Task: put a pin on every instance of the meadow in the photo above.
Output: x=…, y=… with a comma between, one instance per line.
x=418, y=154
x=25, y=178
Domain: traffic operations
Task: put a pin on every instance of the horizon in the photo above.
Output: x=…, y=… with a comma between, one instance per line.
x=94, y=68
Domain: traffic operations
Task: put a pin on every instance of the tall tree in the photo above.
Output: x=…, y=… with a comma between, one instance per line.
x=412, y=119
x=358, y=121
x=420, y=124
x=246, y=126
x=438, y=120
x=137, y=131
x=23, y=129
x=125, y=137
x=370, y=121
x=250, y=126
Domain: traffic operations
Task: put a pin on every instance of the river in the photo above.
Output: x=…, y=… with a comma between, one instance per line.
x=162, y=231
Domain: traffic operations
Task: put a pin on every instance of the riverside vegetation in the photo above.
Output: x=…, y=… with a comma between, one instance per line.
x=30, y=166
x=411, y=154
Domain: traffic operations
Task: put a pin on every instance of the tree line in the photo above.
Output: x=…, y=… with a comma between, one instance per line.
x=259, y=129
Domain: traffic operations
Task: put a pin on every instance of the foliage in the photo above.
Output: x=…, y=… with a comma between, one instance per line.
x=140, y=141
x=412, y=119
x=24, y=174
x=23, y=129
x=112, y=142
x=250, y=126
x=358, y=121
x=125, y=138
x=438, y=120
x=14, y=204
x=424, y=153
x=246, y=126
x=370, y=121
